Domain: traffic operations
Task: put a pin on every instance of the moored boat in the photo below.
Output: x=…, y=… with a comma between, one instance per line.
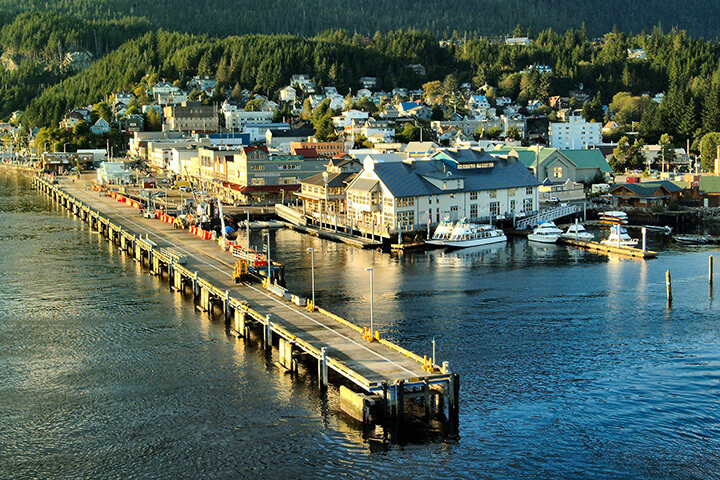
x=613, y=217
x=466, y=234
x=442, y=232
x=619, y=238
x=577, y=231
x=545, y=232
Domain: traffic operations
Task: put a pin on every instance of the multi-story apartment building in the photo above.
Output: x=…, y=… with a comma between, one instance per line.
x=575, y=132
x=190, y=117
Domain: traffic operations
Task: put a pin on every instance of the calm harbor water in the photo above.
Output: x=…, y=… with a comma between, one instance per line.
x=571, y=365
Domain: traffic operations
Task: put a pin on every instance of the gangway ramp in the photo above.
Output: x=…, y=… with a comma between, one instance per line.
x=546, y=216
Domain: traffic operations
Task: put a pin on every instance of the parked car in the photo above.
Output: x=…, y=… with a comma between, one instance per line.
x=553, y=200
x=600, y=201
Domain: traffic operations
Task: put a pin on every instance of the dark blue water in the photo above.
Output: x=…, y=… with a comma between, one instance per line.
x=571, y=365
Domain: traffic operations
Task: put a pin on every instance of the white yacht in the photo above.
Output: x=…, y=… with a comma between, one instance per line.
x=472, y=235
x=545, y=232
x=442, y=232
x=577, y=232
x=619, y=237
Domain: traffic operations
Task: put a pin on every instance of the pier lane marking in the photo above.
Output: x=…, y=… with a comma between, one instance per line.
x=154, y=231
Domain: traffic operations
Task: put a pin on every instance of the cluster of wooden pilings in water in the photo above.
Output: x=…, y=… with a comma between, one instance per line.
x=384, y=402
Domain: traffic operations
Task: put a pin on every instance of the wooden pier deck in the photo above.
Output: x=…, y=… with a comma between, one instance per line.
x=380, y=375
x=597, y=247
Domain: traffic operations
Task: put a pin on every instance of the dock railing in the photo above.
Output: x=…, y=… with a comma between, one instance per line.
x=546, y=216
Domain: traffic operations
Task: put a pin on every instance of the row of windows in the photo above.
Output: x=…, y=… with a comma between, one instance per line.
x=406, y=202
x=406, y=219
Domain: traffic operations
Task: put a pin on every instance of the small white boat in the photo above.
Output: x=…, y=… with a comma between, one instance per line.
x=442, y=232
x=577, y=232
x=613, y=217
x=619, y=237
x=655, y=228
x=466, y=234
x=545, y=232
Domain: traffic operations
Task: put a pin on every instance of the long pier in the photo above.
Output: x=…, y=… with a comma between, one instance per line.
x=376, y=377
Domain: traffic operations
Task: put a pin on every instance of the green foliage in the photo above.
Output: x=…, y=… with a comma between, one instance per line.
x=492, y=133
x=49, y=35
x=513, y=133
x=708, y=149
x=366, y=105
x=409, y=133
x=592, y=111
x=627, y=108
x=322, y=121
x=628, y=156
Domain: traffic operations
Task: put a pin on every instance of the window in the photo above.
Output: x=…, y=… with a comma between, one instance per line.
x=473, y=195
x=454, y=208
x=528, y=190
x=406, y=220
x=557, y=172
x=493, y=193
x=494, y=208
x=257, y=181
x=527, y=205
x=288, y=181
x=512, y=206
x=473, y=211
x=257, y=167
x=406, y=202
x=511, y=192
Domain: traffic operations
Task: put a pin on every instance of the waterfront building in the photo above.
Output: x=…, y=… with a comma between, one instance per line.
x=254, y=175
x=138, y=145
x=325, y=191
x=467, y=183
x=560, y=166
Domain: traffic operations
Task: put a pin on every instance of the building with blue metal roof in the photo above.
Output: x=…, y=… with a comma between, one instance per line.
x=452, y=183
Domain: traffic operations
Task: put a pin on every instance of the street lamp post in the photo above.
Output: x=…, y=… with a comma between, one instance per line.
x=268, y=256
x=312, y=267
x=372, y=320
x=65, y=147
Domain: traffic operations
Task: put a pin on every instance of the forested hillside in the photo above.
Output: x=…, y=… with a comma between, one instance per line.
x=687, y=70
x=309, y=17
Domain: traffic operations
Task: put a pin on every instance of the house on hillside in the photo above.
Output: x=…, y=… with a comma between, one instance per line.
x=288, y=94
x=100, y=127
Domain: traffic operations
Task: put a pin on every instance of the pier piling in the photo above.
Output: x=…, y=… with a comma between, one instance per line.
x=710, y=271
x=668, y=284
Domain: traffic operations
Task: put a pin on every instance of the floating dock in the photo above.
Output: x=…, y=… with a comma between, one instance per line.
x=597, y=247
x=376, y=377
